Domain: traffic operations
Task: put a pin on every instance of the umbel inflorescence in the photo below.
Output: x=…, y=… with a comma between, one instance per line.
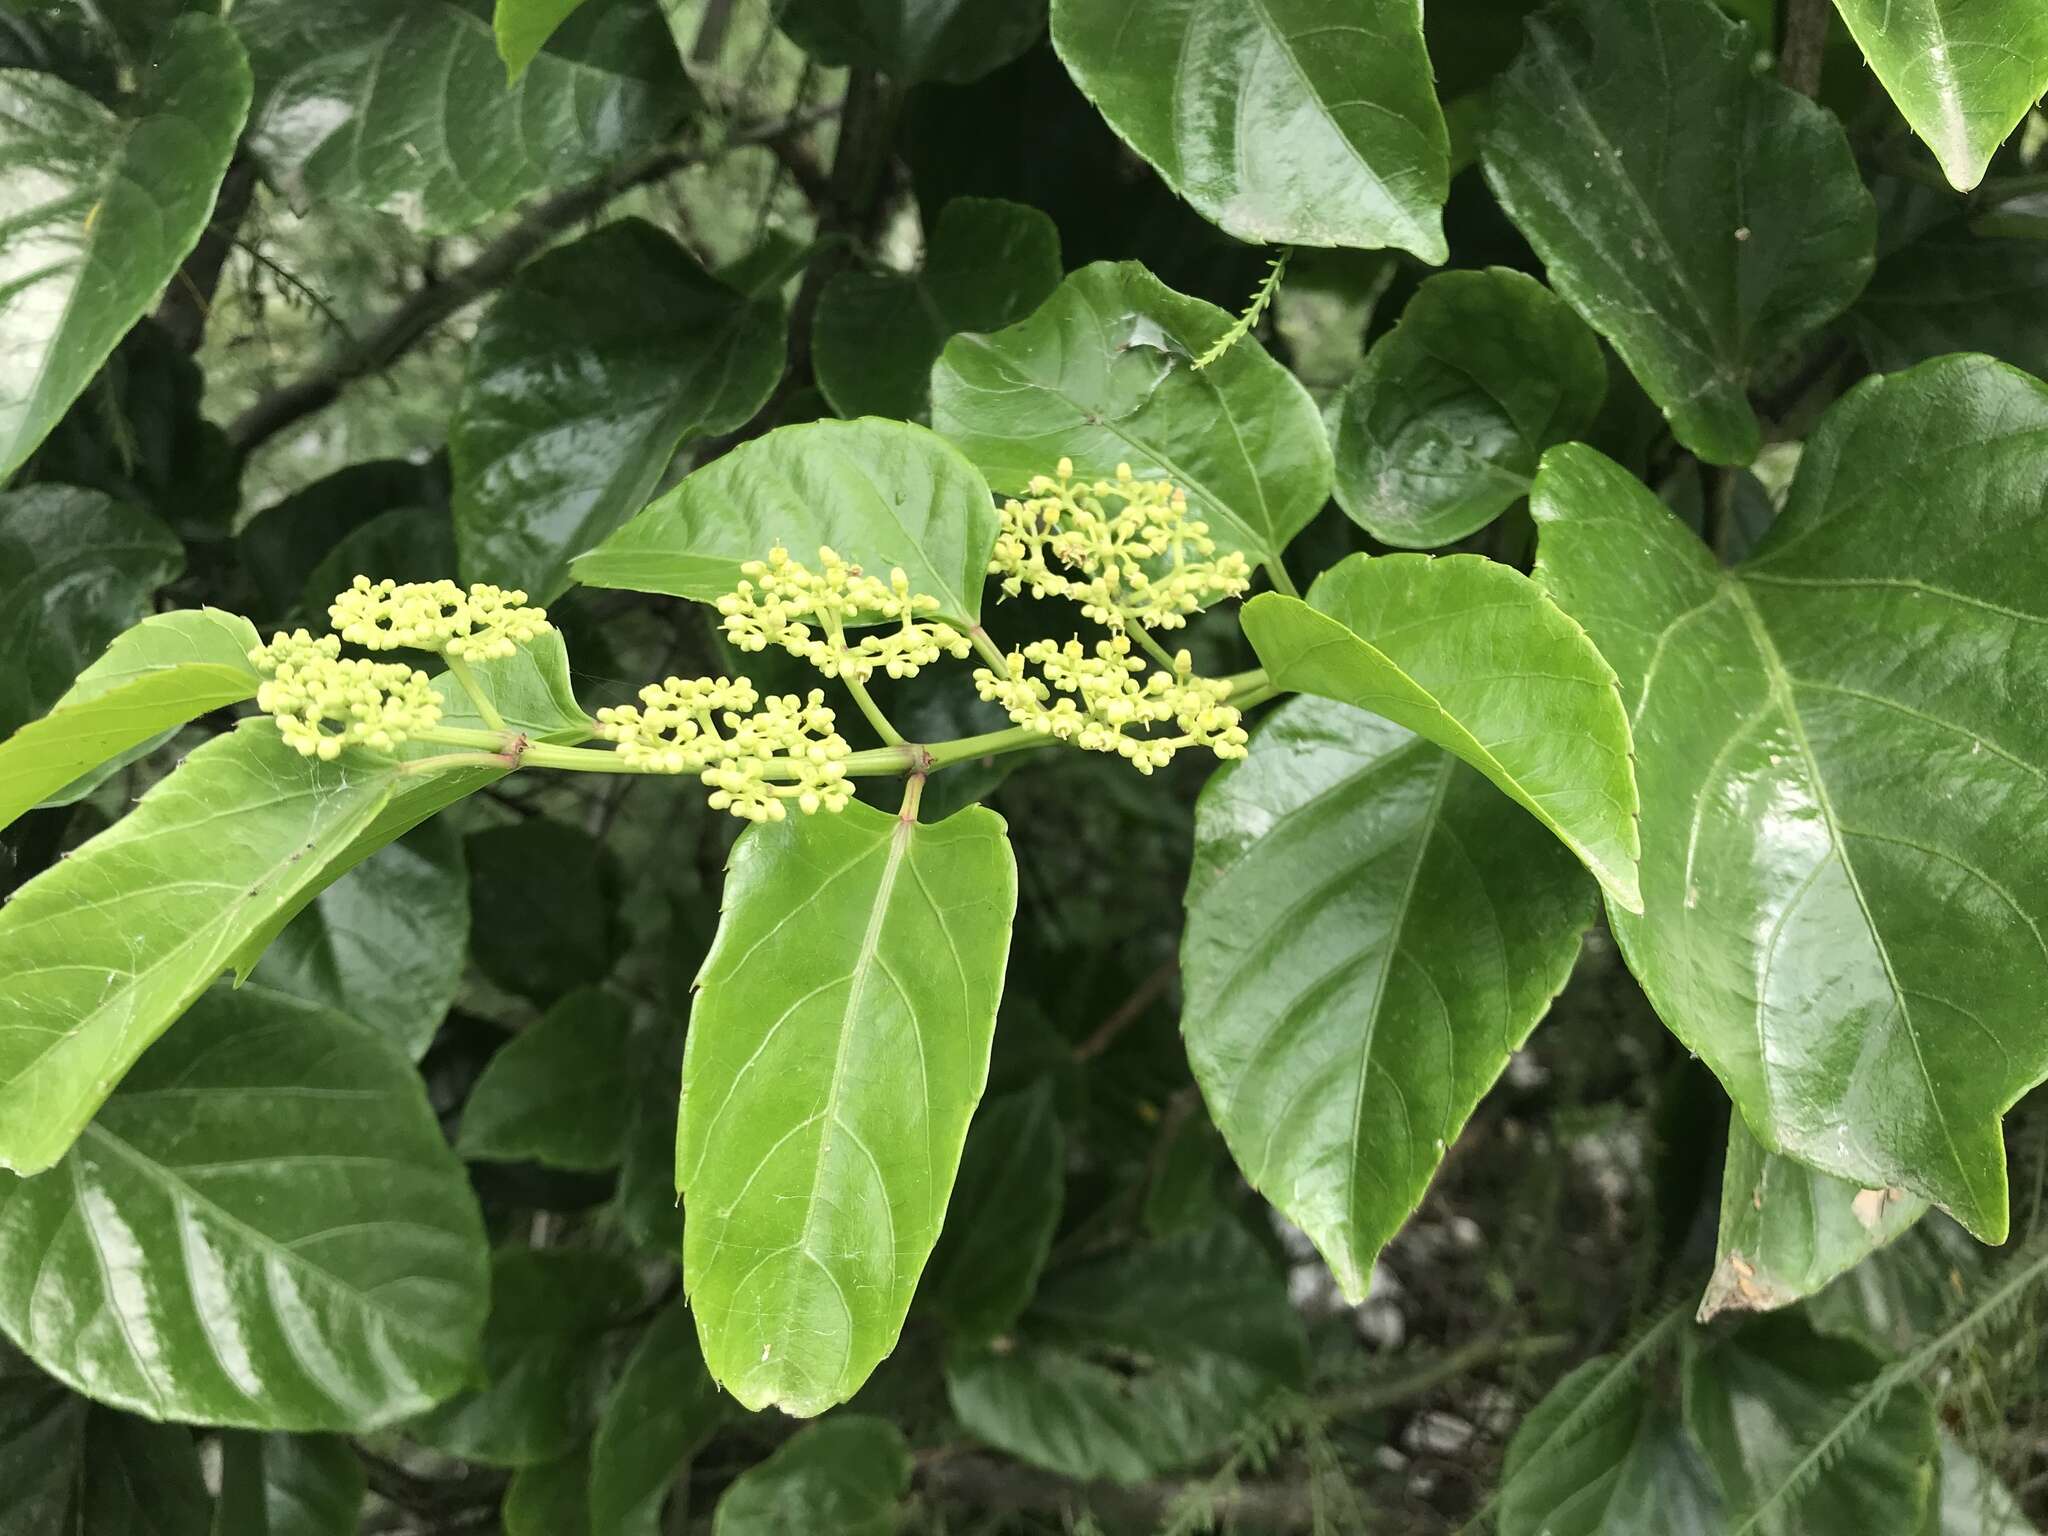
x=1126, y=551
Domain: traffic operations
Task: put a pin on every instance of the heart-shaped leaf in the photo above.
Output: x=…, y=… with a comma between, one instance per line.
x=262, y=1227
x=1283, y=121
x=1372, y=930
x=838, y=1045
x=1843, y=762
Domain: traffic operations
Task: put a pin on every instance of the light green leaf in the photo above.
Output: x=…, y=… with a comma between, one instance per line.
x=1973, y=1501
x=68, y=1468
x=170, y=668
x=288, y=1485
x=552, y=1093
x=1372, y=931
x=838, y=1046
x=1286, y=122
x=1102, y=374
x=386, y=942
x=1787, y=1229
x=1600, y=1456
x=915, y=40
x=877, y=334
x=663, y=1408
x=549, y=1351
x=585, y=375
x=99, y=953
x=1006, y=1206
x=1701, y=216
x=844, y=1477
x=403, y=105
x=522, y=26
x=100, y=210
x=263, y=1227
x=543, y=899
x=1440, y=431
x=1474, y=657
x=1964, y=72
x=1842, y=772
x=881, y=493
x=1770, y=1407
x=1138, y=1364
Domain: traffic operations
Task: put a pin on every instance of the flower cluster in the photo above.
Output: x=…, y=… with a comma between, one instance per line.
x=1104, y=699
x=755, y=760
x=324, y=701
x=1147, y=563
x=481, y=623
x=782, y=602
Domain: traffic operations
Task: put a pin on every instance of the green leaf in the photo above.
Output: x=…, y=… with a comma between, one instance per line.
x=288, y=1485
x=663, y=1408
x=99, y=953
x=1701, y=216
x=262, y=1227
x=1841, y=775
x=1372, y=931
x=403, y=105
x=844, y=1477
x=1784, y=1419
x=549, y=1498
x=1973, y=1501
x=68, y=1468
x=838, y=1046
x=1600, y=1456
x=1787, y=1229
x=522, y=26
x=1006, y=1206
x=100, y=210
x=1138, y=1364
x=1963, y=72
x=1906, y=1292
x=552, y=1093
x=75, y=571
x=549, y=1351
x=385, y=943
x=881, y=493
x=1476, y=658
x=585, y=375
x=915, y=40
x=1102, y=373
x=166, y=670
x=1439, y=433
x=1952, y=290
x=1285, y=122
x=542, y=896
x=877, y=334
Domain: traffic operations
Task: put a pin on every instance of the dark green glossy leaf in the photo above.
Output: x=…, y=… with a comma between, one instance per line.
x=262, y=1227
x=552, y=1093
x=988, y=263
x=1440, y=431
x=288, y=1485
x=541, y=897
x=1290, y=122
x=386, y=942
x=1474, y=657
x=170, y=668
x=282, y=545
x=100, y=210
x=838, y=1046
x=1952, y=290
x=1964, y=72
x=663, y=1408
x=844, y=1477
x=549, y=1498
x=585, y=375
x=1005, y=1208
x=913, y=40
x=881, y=493
x=403, y=543
x=1140, y=1363
x=549, y=1351
x=1787, y=1229
x=523, y=26
x=1600, y=1456
x=1841, y=775
x=100, y=953
x=1701, y=216
x=1372, y=931
x=68, y=1468
x=75, y=571
x=1774, y=1408
x=1103, y=374
x=403, y=105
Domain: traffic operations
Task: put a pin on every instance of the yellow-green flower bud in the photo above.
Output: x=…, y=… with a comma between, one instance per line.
x=756, y=755
x=482, y=623
x=779, y=601
x=323, y=701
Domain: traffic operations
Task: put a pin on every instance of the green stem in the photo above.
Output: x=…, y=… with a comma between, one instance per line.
x=989, y=652
x=1018, y=738
x=873, y=711
x=913, y=791
x=1150, y=646
x=447, y=760
x=486, y=711
x=1276, y=572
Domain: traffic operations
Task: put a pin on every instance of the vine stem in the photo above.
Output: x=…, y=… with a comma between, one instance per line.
x=486, y=711
x=1283, y=583
x=873, y=711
